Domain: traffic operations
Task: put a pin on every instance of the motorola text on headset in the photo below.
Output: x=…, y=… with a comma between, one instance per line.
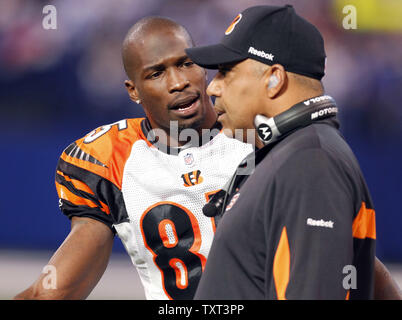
x=270, y=130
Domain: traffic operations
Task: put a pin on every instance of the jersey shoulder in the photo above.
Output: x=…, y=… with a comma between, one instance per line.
x=104, y=150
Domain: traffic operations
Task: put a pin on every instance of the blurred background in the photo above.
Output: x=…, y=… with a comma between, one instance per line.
x=57, y=85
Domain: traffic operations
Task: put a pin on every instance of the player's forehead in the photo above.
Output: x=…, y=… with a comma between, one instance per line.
x=161, y=47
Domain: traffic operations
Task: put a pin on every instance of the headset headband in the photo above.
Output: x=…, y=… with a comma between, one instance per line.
x=298, y=116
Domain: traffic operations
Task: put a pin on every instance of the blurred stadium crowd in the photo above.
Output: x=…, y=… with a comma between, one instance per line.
x=57, y=85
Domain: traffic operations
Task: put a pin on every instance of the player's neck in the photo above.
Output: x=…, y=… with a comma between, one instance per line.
x=182, y=136
x=193, y=136
x=175, y=137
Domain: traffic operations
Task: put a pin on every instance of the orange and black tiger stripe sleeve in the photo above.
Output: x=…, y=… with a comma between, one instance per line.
x=90, y=171
x=83, y=193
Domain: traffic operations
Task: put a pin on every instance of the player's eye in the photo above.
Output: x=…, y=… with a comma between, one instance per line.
x=188, y=63
x=155, y=75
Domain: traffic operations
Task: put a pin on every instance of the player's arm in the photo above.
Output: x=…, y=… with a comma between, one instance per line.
x=385, y=287
x=79, y=262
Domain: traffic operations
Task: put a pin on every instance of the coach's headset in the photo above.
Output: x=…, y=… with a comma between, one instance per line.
x=271, y=129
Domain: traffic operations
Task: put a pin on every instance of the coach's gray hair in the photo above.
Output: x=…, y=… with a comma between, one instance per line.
x=307, y=82
x=303, y=81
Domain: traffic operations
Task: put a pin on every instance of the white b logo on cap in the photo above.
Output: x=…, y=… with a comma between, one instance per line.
x=233, y=24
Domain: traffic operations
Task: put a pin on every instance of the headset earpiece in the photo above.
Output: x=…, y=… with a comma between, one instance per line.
x=273, y=81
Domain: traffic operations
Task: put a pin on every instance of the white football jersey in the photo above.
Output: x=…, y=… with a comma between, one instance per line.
x=152, y=198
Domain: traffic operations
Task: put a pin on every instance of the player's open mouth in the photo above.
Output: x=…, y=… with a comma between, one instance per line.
x=186, y=106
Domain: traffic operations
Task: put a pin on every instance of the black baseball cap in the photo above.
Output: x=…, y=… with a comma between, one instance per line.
x=271, y=35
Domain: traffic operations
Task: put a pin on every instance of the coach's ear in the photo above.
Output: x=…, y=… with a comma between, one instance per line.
x=277, y=73
x=132, y=91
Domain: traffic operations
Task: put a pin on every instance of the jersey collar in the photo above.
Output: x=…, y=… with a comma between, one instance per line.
x=203, y=139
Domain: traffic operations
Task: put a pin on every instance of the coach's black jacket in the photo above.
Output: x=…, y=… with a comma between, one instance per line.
x=302, y=226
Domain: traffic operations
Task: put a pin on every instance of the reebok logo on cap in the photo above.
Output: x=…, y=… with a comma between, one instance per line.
x=261, y=53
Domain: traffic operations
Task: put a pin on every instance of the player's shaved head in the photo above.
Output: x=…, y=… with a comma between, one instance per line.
x=153, y=26
x=163, y=79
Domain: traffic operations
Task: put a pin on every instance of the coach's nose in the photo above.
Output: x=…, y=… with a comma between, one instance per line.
x=215, y=88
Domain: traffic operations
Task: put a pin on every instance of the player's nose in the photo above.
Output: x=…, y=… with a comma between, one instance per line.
x=177, y=81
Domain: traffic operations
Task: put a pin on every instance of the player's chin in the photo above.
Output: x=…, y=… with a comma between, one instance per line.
x=193, y=122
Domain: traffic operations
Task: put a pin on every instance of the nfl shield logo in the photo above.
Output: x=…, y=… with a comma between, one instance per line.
x=189, y=159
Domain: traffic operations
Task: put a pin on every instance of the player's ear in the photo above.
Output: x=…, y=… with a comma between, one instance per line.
x=275, y=79
x=132, y=91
